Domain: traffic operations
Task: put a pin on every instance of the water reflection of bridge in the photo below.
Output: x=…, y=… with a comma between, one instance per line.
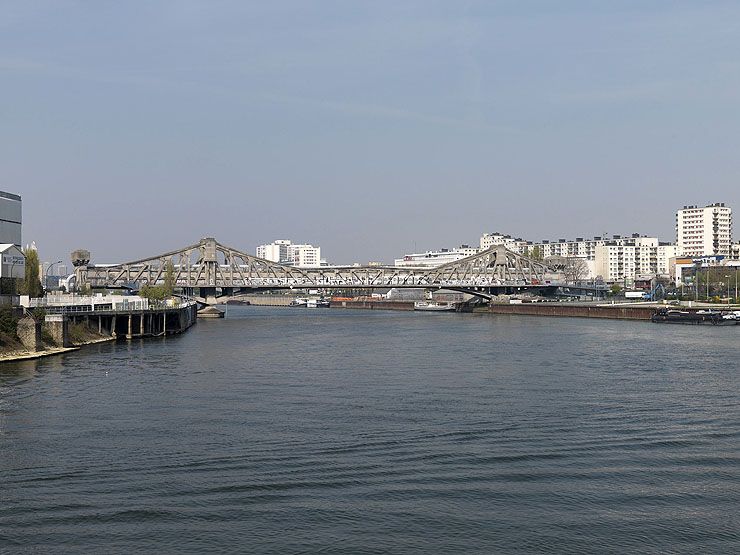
x=214, y=273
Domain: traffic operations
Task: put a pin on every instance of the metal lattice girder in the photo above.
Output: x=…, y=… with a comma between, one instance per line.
x=211, y=264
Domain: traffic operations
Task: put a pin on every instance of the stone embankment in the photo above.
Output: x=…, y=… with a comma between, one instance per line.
x=68, y=327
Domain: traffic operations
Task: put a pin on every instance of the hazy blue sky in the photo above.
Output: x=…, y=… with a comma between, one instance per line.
x=369, y=128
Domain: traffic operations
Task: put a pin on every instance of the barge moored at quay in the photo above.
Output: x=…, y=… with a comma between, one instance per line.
x=712, y=317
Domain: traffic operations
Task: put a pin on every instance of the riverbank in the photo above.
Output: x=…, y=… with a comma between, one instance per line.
x=21, y=354
x=567, y=310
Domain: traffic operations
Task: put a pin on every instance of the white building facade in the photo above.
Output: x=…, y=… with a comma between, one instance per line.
x=633, y=258
x=284, y=251
x=735, y=251
x=304, y=256
x=277, y=251
x=704, y=231
x=489, y=240
x=13, y=262
x=580, y=247
x=431, y=259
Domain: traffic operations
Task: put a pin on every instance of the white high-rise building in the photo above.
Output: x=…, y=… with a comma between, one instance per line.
x=704, y=231
x=665, y=252
x=277, y=251
x=489, y=240
x=284, y=251
x=304, y=256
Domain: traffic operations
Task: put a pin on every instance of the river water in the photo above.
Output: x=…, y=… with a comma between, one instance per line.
x=331, y=431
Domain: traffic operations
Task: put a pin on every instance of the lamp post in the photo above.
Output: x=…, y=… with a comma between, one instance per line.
x=12, y=279
x=696, y=284
x=45, y=276
x=727, y=279
x=708, y=275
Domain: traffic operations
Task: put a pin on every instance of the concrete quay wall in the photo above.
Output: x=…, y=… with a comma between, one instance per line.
x=544, y=309
x=140, y=323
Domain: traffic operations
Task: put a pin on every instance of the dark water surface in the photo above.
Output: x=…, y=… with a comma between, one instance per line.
x=330, y=431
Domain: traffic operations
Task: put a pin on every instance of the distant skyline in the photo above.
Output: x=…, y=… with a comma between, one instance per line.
x=369, y=129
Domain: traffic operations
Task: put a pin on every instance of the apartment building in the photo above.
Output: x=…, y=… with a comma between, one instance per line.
x=630, y=258
x=304, y=256
x=277, y=251
x=284, y=251
x=517, y=245
x=431, y=259
x=614, y=258
x=704, y=231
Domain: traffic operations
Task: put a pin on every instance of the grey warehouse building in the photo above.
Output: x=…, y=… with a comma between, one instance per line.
x=10, y=218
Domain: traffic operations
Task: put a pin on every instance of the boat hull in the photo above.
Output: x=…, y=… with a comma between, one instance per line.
x=434, y=307
x=680, y=317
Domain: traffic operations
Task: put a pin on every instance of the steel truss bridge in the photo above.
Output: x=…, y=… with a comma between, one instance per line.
x=218, y=273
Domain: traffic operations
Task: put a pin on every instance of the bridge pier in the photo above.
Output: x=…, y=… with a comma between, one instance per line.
x=208, y=295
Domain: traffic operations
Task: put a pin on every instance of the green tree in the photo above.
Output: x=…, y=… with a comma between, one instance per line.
x=31, y=284
x=153, y=292
x=169, y=278
x=536, y=254
x=8, y=321
x=163, y=291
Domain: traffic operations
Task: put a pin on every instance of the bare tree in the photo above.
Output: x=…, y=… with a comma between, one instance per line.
x=573, y=268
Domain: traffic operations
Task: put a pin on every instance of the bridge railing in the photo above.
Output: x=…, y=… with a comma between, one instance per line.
x=75, y=304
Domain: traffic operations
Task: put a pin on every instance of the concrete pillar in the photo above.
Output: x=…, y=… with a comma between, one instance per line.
x=29, y=332
x=164, y=322
x=113, y=327
x=58, y=327
x=100, y=325
x=141, y=324
x=129, y=335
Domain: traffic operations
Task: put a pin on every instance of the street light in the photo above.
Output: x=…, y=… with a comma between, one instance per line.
x=727, y=278
x=12, y=279
x=696, y=283
x=708, y=276
x=45, y=276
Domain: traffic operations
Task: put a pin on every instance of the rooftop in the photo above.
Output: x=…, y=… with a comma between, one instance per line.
x=11, y=196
